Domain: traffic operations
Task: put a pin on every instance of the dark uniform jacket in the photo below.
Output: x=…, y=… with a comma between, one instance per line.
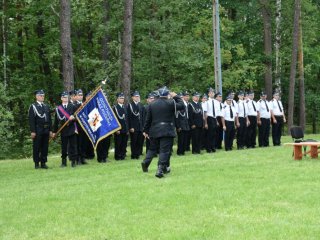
x=60, y=119
x=39, y=118
x=136, y=116
x=161, y=116
x=182, y=121
x=122, y=116
x=195, y=114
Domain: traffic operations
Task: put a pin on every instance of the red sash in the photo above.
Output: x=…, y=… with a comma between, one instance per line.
x=67, y=115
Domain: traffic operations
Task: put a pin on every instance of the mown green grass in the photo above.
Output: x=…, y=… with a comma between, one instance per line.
x=250, y=194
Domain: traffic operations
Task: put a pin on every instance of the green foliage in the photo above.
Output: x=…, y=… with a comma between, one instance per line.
x=172, y=45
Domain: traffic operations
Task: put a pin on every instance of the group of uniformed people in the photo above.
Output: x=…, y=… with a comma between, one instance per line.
x=202, y=124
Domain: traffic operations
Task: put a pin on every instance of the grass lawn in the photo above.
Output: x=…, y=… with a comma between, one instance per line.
x=259, y=193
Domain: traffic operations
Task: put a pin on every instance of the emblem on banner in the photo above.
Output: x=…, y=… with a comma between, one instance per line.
x=95, y=119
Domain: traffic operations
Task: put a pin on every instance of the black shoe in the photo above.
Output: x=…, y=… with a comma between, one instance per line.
x=63, y=165
x=144, y=167
x=105, y=160
x=73, y=164
x=166, y=170
x=159, y=173
x=36, y=166
x=44, y=166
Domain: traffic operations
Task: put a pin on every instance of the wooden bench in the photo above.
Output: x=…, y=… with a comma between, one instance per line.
x=297, y=149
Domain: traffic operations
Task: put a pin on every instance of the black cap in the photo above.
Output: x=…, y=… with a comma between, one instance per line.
x=72, y=92
x=210, y=89
x=250, y=92
x=275, y=92
x=240, y=93
x=196, y=94
x=78, y=91
x=120, y=95
x=39, y=92
x=135, y=94
x=263, y=93
x=204, y=96
x=229, y=97
x=63, y=94
x=164, y=91
x=156, y=93
x=150, y=95
x=88, y=94
x=217, y=94
x=185, y=93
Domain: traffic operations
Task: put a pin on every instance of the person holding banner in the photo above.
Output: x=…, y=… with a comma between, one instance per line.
x=160, y=128
x=64, y=113
x=40, y=127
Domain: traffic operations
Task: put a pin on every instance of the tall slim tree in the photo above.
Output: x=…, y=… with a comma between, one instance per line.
x=65, y=41
x=105, y=38
x=266, y=14
x=295, y=43
x=126, y=51
x=4, y=41
x=302, y=104
x=277, y=46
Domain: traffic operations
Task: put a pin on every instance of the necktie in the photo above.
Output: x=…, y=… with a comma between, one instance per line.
x=265, y=102
x=220, y=106
x=213, y=111
x=232, y=103
x=254, y=107
x=231, y=113
x=279, y=106
x=65, y=107
x=244, y=110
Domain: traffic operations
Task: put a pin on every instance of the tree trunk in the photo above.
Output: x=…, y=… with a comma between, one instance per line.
x=126, y=49
x=277, y=47
x=65, y=41
x=4, y=42
x=295, y=41
x=20, y=37
x=105, y=38
x=266, y=14
x=45, y=66
x=302, y=109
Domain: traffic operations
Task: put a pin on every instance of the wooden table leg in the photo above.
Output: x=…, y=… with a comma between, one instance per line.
x=314, y=152
x=297, y=151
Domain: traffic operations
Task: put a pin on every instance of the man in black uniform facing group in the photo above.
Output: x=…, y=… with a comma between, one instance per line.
x=160, y=128
x=40, y=127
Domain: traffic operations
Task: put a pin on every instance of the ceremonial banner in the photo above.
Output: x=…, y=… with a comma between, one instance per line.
x=97, y=118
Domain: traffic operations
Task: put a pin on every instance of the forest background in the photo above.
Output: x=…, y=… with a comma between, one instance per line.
x=170, y=43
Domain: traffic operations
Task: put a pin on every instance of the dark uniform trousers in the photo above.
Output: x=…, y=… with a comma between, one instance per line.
x=69, y=148
x=188, y=140
x=196, y=139
x=252, y=132
x=120, y=146
x=211, y=136
x=182, y=141
x=40, y=148
x=219, y=134
x=229, y=135
x=277, y=130
x=241, y=133
x=136, y=143
x=264, y=131
x=204, y=133
x=103, y=149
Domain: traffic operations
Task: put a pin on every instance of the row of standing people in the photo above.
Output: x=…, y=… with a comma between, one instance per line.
x=205, y=123
x=210, y=121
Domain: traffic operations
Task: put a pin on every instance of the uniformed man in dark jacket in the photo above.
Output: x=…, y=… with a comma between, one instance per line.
x=63, y=113
x=121, y=136
x=136, y=121
x=183, y=128
x=40, y=127
x=82, y=138
x=150, y=99
x=160, y=127
x=196, y=122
